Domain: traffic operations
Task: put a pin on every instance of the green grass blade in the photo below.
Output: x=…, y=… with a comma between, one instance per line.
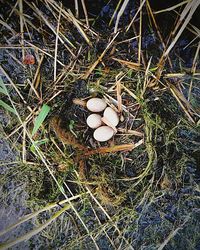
x=3, y=89
x=7, y=107
x=41, y=117
x=38, y=143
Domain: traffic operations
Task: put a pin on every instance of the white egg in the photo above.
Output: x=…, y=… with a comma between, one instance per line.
x=111, y=116
x=106, y=122
x=94, y=121
x=96, y=104
x=103, y=133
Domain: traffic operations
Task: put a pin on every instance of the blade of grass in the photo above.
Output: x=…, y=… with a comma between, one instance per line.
x=172, y=8
x=121, y=11
x=41, y=117
x=3, y=89
x=7, y=107
x=115, y=12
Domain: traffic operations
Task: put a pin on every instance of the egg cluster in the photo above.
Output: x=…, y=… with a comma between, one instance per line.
x=105, y=127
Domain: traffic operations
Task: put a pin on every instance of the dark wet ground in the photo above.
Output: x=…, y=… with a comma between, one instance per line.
x=13, y=194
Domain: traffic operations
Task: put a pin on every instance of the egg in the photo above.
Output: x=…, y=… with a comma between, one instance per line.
x=96, y=104
x=94, y=121
x=109, y=124
x=111, y=116
x=103, y=133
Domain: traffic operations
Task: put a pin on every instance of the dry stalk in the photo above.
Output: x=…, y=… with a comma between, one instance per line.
x=56, y=47
x=85, y=12
x=129, y=64
x=120, y=13
x=22, y=27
